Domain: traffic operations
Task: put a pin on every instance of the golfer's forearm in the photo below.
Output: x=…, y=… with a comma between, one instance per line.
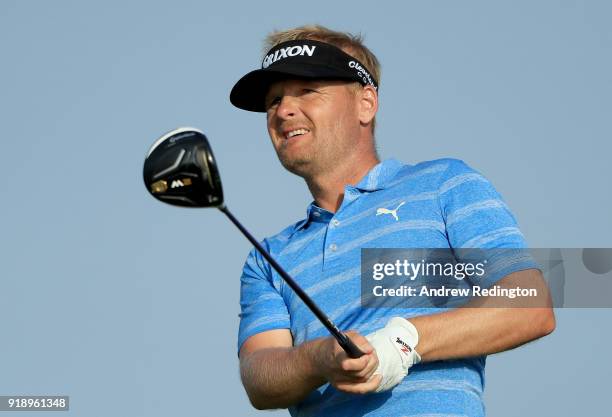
x=485, y=330
x=474, y=332
x=280, y=377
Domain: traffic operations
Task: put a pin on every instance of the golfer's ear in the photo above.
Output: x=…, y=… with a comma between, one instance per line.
x=368, y=104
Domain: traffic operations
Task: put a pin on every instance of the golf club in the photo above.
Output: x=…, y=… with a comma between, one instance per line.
x=180, y=169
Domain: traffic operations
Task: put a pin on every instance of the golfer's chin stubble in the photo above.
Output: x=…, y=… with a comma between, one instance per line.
x=314, y=160
x=300, y=165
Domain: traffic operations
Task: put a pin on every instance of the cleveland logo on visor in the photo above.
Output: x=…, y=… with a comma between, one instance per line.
x=362, y=73
x=287, y=52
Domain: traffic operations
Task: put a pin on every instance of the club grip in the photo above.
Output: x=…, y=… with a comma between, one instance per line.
x=350, y=348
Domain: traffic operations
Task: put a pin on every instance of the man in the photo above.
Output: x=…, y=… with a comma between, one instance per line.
x=319, y=90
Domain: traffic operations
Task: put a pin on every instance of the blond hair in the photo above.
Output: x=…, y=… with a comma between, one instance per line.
x=349, y=43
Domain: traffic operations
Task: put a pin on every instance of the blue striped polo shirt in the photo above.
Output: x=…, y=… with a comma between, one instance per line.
x=446, y=204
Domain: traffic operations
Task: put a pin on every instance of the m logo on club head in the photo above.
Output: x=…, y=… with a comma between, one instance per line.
x=180, y=183
x=389, y=211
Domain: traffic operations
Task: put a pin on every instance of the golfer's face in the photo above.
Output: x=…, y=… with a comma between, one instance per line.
x=311, y=123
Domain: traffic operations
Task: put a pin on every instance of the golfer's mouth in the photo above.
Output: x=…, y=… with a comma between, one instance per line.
x=295, y=133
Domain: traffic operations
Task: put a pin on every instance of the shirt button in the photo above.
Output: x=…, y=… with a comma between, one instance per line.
x=316, y=213
x=333, y=247
x=336, y=222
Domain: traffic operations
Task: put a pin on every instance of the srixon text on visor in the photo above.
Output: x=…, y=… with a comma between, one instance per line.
x=287, y=52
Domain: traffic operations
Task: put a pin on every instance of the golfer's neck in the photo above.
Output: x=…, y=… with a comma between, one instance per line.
x=328, y=189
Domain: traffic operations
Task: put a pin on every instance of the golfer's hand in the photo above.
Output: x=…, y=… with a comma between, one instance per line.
x=355, y=376
x=394, y=345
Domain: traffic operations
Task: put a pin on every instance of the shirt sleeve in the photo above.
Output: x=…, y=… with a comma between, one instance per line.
x=476, y=216
x=261, y=304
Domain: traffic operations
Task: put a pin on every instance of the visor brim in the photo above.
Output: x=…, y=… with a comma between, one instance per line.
x=249, y=93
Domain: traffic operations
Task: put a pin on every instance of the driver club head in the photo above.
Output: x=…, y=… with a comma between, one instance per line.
x=180, y=169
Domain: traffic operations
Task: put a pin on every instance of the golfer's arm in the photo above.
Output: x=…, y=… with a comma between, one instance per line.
x=274, y=373
x=488, y=327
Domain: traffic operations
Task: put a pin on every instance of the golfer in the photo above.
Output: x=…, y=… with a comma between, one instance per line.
x=319, y=91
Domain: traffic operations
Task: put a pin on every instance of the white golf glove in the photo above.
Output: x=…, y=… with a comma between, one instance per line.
x=395, y=347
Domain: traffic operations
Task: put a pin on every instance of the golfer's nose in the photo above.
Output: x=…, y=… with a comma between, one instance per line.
x=287, y=108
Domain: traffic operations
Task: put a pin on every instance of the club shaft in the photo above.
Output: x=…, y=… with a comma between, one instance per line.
x=343, y=340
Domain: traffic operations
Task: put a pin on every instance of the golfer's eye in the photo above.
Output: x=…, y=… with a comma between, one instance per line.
x=273, y=101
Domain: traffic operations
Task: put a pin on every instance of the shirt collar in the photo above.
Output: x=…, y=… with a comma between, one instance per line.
x=313, y=213
x=378, y=178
